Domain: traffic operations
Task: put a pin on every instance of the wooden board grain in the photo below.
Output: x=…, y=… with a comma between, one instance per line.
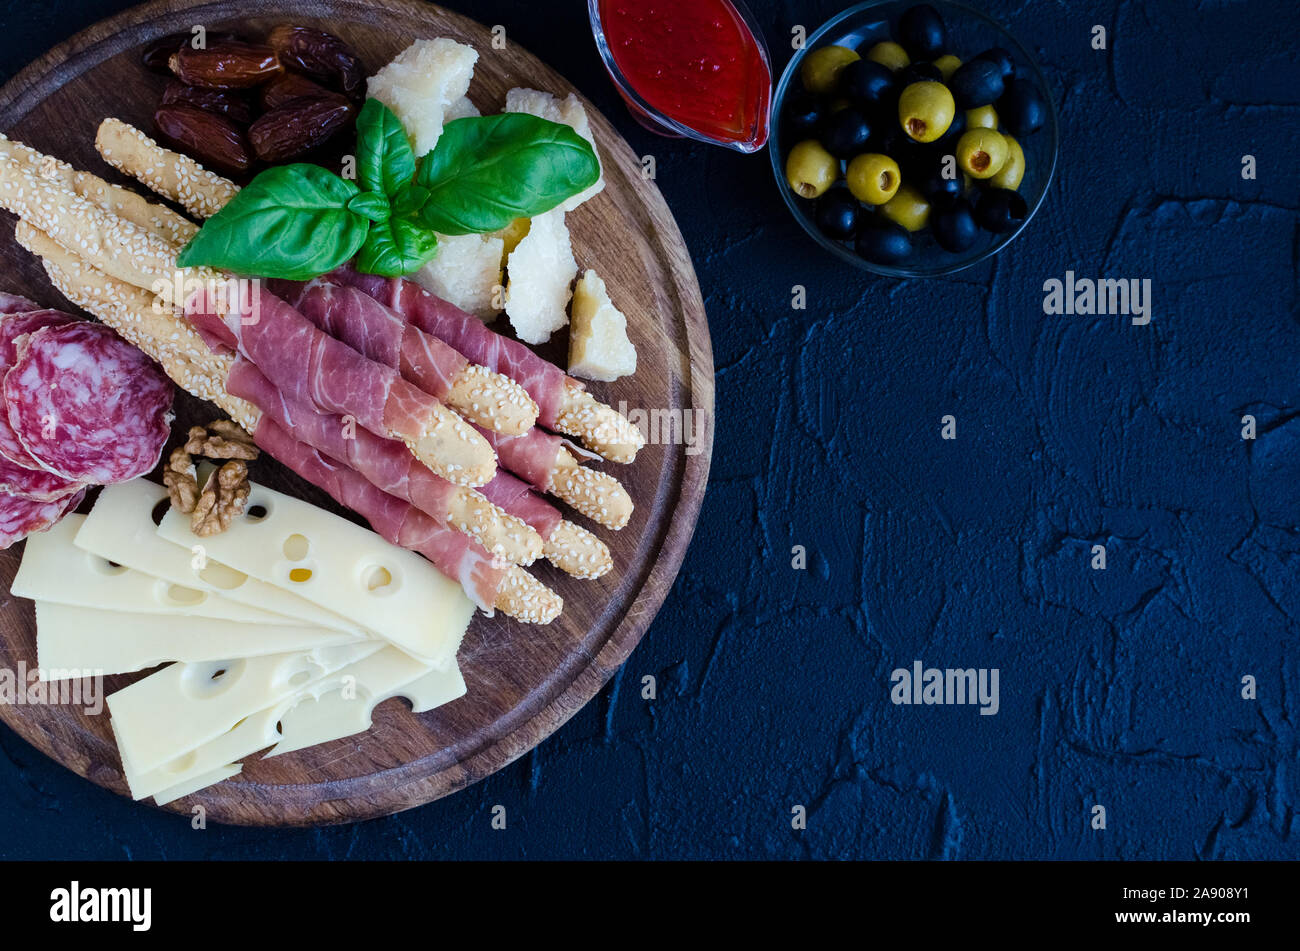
x=524, y=682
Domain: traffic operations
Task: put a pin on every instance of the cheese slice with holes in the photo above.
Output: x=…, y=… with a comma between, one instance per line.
x=346, y=569
x=73, y=638
x=337, y=706
x=121, y=529
x=54, y=570
x=159, y=720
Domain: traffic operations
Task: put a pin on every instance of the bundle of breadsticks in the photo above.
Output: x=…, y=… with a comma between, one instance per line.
x=427, y=435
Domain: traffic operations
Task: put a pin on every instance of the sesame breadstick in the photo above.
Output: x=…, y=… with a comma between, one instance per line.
x=577, y=552
x=175, y=176
x=524, y=598
x=157, y=219
x=601, y=428
x=113, y=245
x=597, y=495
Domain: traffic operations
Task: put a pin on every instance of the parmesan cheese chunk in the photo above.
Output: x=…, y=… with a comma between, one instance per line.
x=598, y=345
x=466, y=271
x=422, y=84
x=541, y=269
x=462, y=108
x=568, y=111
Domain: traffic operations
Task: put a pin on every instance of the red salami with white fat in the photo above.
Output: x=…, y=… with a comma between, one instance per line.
x=21, y=517
x=16, y=304
x=86, y=405
x=35, y=484
x=12, y=326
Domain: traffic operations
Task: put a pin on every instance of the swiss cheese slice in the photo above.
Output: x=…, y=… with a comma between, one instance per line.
x=55, y=570
x=71, y=639
x=121, y=529
x=334, y=707
x=159, y=720
x=304, y=551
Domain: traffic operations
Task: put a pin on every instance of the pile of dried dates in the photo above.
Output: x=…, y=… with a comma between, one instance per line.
x=231, y=103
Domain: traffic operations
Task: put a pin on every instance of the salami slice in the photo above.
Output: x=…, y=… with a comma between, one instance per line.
x=12, y=326
x=35, y=484
x=86, y=405
x=16, y=304
x=21, y=517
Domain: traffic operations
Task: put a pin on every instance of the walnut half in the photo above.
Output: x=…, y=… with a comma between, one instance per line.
x=221, y=439
x=181, y=481
x=222, y=499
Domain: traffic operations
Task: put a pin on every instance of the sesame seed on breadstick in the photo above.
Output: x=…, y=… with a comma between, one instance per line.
x=492, y=400
x=501, y=534
x=175, y=176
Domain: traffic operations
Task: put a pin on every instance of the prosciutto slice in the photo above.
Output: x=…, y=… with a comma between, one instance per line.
x=515, y=498
x=376, y=331
x=457, y=556
x=310, y=366
x=543, y=381
x=385, y=463
x=530, y=456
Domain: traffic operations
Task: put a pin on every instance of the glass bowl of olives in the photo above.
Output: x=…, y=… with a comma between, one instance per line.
x=913, y=139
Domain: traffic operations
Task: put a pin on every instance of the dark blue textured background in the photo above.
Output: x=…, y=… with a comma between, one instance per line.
x=1119, y=687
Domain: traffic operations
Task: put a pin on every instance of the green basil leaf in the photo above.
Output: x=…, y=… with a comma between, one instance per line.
x=487, y=171
x=385, y=161
x=409, y=200
x=290, y=222
x=396, y=248
x=371, y=205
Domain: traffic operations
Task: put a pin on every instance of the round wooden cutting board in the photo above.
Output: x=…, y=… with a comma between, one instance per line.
x=524, y=682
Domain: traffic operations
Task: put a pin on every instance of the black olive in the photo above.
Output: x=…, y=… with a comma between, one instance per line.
x=866, y=82
x=912, y=157
x=1000, y=210
x=930, y=182
x=919, y=73
x=846, y=133
x=954, y=226
x=977, y=83
x=837, y=214
x=883, y=242
x=1022, y=109
x=1005, y=63
x=921, y=31
x=803, y=113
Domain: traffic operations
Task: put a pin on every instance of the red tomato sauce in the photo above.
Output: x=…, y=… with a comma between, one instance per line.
x=695, y=61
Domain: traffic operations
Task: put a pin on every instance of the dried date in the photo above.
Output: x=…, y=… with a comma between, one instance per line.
x=212, y=139
x=298, y=126
x=288, y=86
x=228, y=64
x=224, y=102
x=322, y=56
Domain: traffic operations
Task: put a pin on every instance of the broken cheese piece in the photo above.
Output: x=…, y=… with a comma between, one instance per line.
x=422, y=84
x=541, y=269
x=599, y=348
x=466, y=271
x=568, y=111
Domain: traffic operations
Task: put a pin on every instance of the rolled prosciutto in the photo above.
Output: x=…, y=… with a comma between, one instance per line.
x=313, y=368
x=543, y=381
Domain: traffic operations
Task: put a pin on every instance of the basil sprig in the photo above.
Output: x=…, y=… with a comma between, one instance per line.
x=300, y=221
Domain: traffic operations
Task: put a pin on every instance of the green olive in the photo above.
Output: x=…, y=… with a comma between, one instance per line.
x=947, y=65
x=873, y=178
x=838, y=104
x=1013, y=169
x=890, y=55
x=985, y=117
x=925, y=110
x=810, y=169
x=908, y=208
x=821, y=70
x=981, y=152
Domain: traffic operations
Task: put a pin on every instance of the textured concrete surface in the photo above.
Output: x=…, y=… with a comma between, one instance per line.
x=1119, y=687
